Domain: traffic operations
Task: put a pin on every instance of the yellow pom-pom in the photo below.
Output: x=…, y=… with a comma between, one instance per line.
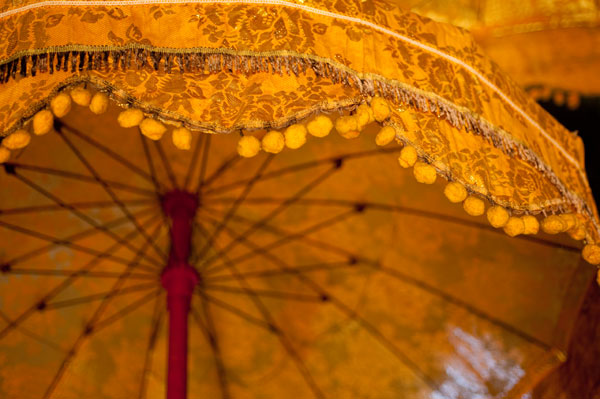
x=99, y=103
x=553, y=225
x=424, y=173
x=130, y=117
x=385, y=136
x=381, y=109
x=577, y=233
x=514, y=226
x=532, y=226
x=43, y=122
x=408, y=157
x=474, y=206
x=497, y=216
x=152, y=128
x=61, y=105
x=248, y=146
x=4, y=154
x=364, y=115
x=274, y=141
x=320, y=126
x=182, y=138
x=295, y=136
x=569, y=219
x=591, y=254
x=18, y=139
x=81, y=96
x=347, y=127
x=455, y=192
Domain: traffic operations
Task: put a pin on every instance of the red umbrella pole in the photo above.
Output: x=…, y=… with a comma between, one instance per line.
x=179, y=279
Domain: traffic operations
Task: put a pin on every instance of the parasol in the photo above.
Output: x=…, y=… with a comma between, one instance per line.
x=533, y=41
x=310, y=263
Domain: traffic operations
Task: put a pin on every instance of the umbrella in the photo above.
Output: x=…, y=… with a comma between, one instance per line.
x=533, y=41
x=276, y=257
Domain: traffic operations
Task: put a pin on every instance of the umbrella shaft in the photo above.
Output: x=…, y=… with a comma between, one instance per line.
x=178, y=343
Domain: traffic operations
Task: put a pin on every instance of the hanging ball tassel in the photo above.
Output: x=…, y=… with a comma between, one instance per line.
x=248, y=146
x=130, y=117
x=99, y=103
x=273, y=142
x=4, y=154
x=152, y=128
x=295, y=136
x=577, y=233
x=553, y=225
x=408, y=157
x=364, y=115
x=347, y=127
x=455, y=192
x=320, y=126
x=514, y=226
x=570, y=220
x=182, y=138
x=474, y=206
x=385, y=136
x=61, y=105
x=497, y=216
x=17, y=140
x=532, y=226
x=424, y=173
x=591, y=254
x=381, y=109
x=43, y=122
x=81, y=96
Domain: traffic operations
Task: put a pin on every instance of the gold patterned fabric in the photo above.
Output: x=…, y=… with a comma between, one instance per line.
x=397, y=293
x=544, y=43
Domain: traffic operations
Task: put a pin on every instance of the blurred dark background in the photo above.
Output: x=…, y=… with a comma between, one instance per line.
x=579, y=376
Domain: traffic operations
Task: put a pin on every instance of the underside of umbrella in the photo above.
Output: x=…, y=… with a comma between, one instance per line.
x=311, y=264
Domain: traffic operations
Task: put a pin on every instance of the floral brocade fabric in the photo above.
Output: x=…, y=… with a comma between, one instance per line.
x=220, y=67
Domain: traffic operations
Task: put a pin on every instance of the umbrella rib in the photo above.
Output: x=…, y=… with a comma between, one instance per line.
x=31, y=334
x=193, y=161
x=80, y=215
x=204, y=163
x=233, y=208
x=151, y=168
x=121, y=313
x=353, y=258
x=95, y=297
x=238, y=312
x=62, y=286
x=71, y=272
x=401, y=209
x=269, y=293
x=140, y=172
x=303, y=166
x=276, y=272
x=152, y=336
x=291, y=237
x=65, y=242
x=300, y=365
x=76, y=205
x=76, y=176
x=112, y=195
x=225, y=166
x=213, y=341
x=166, y=164
x=77, y=236
x=302, y=192
x=327, y=297
x=89, y=328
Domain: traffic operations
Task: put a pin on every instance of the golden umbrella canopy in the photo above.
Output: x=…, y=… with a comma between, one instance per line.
x=541, y=44
x=325, y=271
